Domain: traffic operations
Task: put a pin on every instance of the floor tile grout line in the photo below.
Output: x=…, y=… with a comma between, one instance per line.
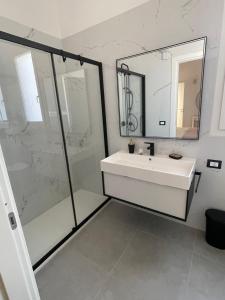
x=120, y=222
x=151, y=234
x=123, y=252
x=74, y=236
x=209, y=259
x=94, y=263
x=189, y=273
x=163, y=239
x=205, y=256
x=160, y=238
x=135, y=230
x=109, y=275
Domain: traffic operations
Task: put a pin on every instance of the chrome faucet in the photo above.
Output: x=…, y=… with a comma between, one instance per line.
x=151, y=147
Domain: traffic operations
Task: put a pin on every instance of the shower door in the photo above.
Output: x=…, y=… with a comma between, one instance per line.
x=31, y=139
x=80, y=100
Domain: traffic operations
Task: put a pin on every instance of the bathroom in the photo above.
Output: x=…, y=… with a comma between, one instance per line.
x=84, y=218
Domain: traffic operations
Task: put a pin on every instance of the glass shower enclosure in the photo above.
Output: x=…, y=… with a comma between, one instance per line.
x=53, y=136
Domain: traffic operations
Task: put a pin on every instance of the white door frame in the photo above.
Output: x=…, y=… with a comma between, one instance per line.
x=15, y=265
x=176, y=61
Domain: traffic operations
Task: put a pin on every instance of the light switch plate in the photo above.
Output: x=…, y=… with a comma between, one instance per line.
x=162, y=123
x=215, y=164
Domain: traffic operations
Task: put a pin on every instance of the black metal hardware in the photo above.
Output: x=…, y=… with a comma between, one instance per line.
x=151, y=147
x=143, y=104
x=118, y=63
x=189, y=198
x=128, y=72
x=100, y=72
x=64, y=54
x=191, y=191
x=74, y=230
x=199, y=174
x=81, y=61
x=63, y=138
x=124, y=65
x=28, y=43
x=12, y=220
x=148, y=209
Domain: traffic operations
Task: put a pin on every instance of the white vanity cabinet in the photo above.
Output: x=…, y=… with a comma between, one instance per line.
x=158, y=183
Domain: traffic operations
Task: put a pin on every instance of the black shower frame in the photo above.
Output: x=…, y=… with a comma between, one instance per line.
x=64, y=54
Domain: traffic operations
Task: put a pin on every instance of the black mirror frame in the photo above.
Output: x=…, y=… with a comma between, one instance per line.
x=204, y=38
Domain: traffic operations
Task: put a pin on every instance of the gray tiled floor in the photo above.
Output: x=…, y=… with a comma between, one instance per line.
x=125, y=253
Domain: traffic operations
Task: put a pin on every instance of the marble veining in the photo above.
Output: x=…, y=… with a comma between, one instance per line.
x=153, y=25
x=157, y=10
x=161, y=88
x=30, y=34
x=34, y=151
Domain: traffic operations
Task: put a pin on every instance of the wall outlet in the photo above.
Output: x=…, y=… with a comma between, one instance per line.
x=215, y=164
x=162, y=123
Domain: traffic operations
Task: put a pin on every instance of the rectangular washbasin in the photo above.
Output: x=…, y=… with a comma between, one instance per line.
x=158, y=169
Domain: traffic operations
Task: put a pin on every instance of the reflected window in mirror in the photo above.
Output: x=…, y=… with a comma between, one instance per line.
x=160, y=91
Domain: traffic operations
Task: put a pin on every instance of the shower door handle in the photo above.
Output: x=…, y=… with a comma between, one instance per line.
x=12, y=220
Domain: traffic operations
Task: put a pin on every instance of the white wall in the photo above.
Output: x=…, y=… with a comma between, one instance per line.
x=151, y=26
x=77, y=15
x=64, y=18
x=19, y=150
x=41, y=15
x=217, y=126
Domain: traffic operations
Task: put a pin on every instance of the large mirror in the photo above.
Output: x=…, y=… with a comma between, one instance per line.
x=160, y=91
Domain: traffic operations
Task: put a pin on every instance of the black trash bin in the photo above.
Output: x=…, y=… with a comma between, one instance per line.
x=215, y=228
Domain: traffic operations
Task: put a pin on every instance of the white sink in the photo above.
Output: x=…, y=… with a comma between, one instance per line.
x=158, y=169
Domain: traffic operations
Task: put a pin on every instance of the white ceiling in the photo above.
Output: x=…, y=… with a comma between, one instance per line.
x=64, y=18
x=77, y=15
x=41, y=15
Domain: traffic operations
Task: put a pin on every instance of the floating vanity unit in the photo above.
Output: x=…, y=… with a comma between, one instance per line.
x=158, y=183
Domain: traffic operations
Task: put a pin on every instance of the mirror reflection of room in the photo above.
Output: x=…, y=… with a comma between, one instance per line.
x=188, y=99
x=167, y=104
x=131, y=89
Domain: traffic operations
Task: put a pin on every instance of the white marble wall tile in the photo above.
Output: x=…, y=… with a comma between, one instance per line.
x=153, y=25
x=38, y=177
